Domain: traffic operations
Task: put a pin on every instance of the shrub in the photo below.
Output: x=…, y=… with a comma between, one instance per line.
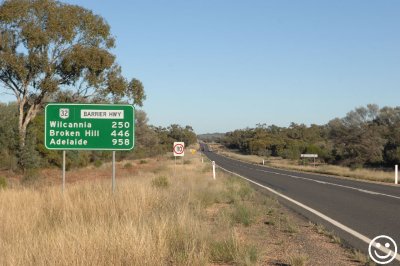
x=160, y=182
x=30, y=176
x=128, y=166
x=252, y=254
x=142, y=161
x=98, y=163
x=3, y=182
x=241, y=214
x=223, y=251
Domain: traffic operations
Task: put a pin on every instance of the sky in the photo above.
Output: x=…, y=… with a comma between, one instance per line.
x=221, y=65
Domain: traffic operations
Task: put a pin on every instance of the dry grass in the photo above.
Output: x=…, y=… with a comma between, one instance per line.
x=364, y=174
x=154, y=218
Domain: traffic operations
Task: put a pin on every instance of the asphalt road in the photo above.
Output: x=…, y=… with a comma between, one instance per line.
x=357, y=211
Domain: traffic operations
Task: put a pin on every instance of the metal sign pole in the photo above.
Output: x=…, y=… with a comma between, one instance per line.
x=113, y=171
x=63, y=172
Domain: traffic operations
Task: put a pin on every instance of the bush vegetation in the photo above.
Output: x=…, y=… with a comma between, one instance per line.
x=365, y=137
x=149, y=141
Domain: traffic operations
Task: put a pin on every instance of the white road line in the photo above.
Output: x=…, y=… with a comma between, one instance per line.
x=331, y=184
x=318, y=181
x=315, y=212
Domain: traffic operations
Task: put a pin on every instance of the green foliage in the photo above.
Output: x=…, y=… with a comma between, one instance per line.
x=3, y=182
x=98, y=163
x=148, y=143
x=160, y=182
x=128, y=165
x=365, y=136
x=252, y=254
x=242, y=214
x=223, y=251
x=28, y=156
x=8, y=133
x=30, y=177
x=48, y=47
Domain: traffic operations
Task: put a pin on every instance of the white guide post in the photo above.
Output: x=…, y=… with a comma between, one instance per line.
x=213, y=166
x=396, y=174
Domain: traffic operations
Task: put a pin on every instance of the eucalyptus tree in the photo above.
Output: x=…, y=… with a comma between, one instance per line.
x=47, y=47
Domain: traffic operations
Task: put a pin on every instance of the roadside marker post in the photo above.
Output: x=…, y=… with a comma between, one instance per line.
x=396, y=174
x=263, y=162
x=213, y=166
x=70, y=126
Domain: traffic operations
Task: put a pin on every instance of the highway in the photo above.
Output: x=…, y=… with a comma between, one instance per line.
x=356, y=211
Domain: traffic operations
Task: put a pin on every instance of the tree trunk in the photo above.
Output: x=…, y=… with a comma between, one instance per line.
x=24, y=120
x=21, y=128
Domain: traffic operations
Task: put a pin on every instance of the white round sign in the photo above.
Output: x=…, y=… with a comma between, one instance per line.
x=179, y=149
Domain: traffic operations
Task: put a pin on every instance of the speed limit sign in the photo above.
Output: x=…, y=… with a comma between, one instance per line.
x=179, y=149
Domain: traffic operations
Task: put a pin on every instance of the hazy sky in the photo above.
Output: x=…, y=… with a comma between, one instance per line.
x=220, y=65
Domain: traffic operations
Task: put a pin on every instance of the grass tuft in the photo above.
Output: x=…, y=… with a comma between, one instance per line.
x=98, y=163
x=3, y=182
x=298, y=260
x=242, y=214
x=160, y=182
x=128, y=165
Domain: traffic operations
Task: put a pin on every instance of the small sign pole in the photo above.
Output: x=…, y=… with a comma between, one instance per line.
x=396, y=174
x=63, y=172
x=113, y=171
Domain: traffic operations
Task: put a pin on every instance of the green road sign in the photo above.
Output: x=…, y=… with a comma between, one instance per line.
x=89, y=126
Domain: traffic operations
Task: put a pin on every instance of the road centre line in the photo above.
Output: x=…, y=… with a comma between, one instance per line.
x=331, y=184
x=317, y=213
x=321, y=182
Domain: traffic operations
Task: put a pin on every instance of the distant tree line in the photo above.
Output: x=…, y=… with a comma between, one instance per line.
x=366, y=136
x=149, y=141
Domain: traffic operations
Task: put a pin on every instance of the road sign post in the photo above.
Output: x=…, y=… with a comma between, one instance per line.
x=89, y=127
x=309, y=156
x=179, y=151
x=63, y=173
